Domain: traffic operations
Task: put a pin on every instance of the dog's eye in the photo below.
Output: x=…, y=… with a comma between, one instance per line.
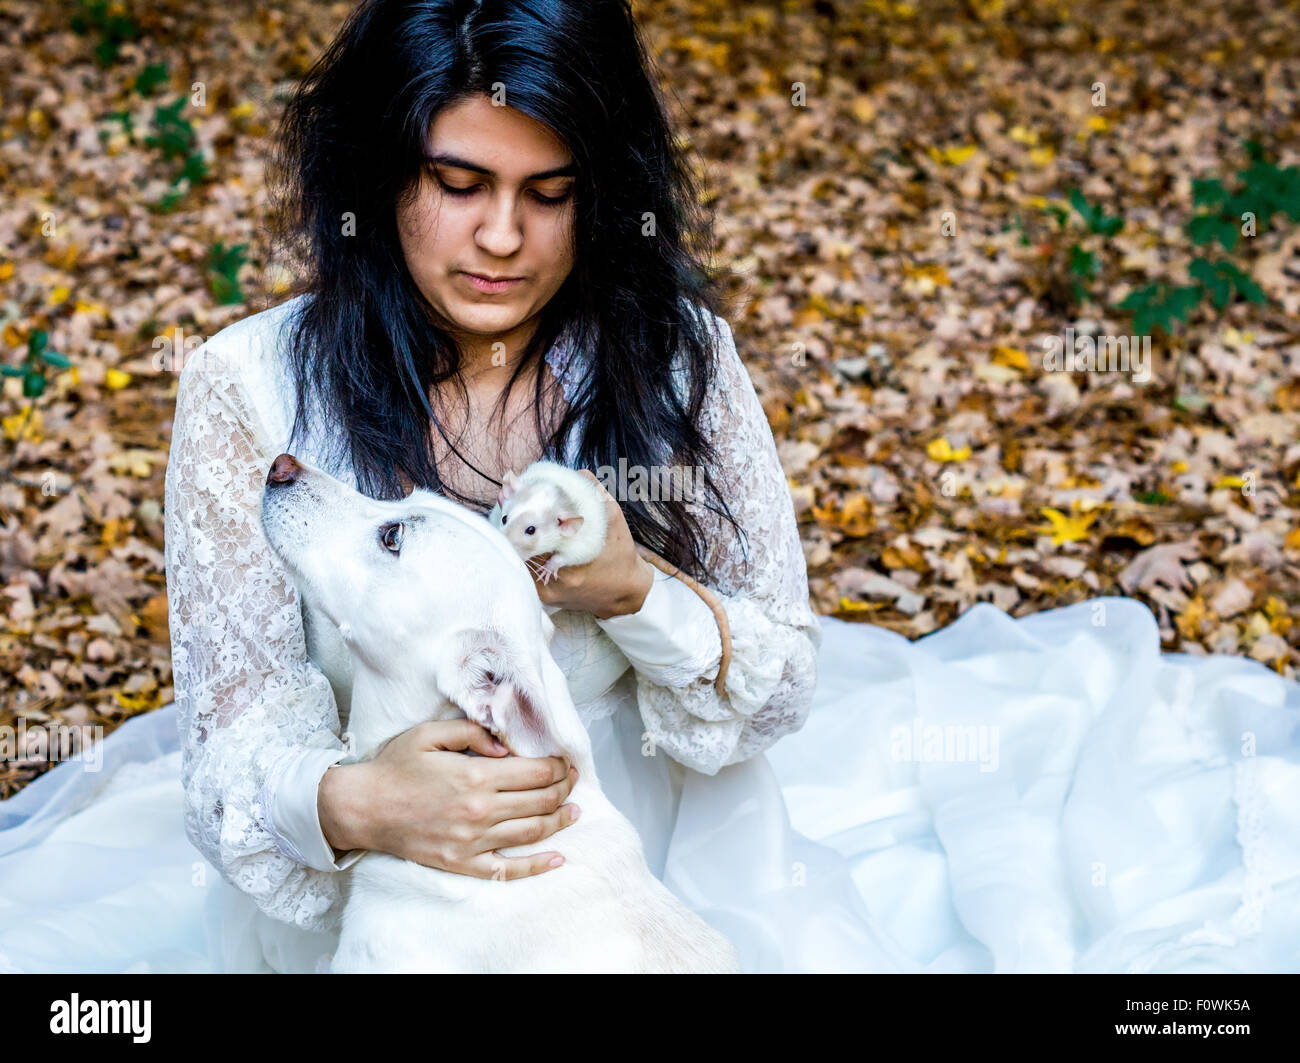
x=530, y=529
x=391, y=537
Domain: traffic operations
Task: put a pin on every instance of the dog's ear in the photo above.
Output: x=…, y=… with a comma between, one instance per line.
x=494, y=686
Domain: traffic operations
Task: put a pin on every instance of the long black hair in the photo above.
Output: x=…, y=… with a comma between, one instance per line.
x=353, y=138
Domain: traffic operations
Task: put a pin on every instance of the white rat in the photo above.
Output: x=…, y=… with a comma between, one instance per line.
x=552, y=509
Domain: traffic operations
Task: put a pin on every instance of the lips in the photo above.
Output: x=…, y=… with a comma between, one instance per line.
x=490, y=287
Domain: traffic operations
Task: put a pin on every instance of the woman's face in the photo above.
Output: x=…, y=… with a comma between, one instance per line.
x=487, y=206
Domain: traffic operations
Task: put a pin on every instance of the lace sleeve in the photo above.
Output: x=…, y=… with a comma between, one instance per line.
x=249, y=700
x=775, y=634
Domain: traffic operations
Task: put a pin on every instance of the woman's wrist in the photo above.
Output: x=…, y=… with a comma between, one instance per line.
x=341, y=806
x=631, y=600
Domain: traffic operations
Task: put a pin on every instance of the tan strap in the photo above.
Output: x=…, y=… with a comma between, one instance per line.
x=710, y=599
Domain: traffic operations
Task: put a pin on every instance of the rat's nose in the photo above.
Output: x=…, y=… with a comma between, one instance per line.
x=284, y=471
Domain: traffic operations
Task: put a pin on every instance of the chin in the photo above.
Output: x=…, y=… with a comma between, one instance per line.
x=478, y=317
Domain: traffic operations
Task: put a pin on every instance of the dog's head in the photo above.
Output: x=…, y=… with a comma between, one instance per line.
x=440, y=615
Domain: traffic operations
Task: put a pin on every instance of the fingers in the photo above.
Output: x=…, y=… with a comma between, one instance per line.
x=459, y=735
x=531, y=829
x=526, y=773
x=519, y=804
x=495, y=866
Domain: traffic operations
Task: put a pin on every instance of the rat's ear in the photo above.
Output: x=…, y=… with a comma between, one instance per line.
x=509, y=482
x=570, y=526
x=488, y=677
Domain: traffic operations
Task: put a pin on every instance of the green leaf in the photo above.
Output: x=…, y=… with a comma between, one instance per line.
x=150, y=78
x=54, y=358
x=37, y=342
x=1082, y=263
x=1251, y=291
x=1095, y=218
x=11, y=370
x=194, y=170
x=1206, y=193
x=33, y=384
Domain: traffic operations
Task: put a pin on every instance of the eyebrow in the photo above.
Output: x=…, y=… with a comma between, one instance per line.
x=442, y=158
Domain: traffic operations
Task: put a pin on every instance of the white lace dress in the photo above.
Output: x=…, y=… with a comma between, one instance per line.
x=1043, y=794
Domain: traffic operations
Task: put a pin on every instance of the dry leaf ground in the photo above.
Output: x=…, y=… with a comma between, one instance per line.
x=883, y=175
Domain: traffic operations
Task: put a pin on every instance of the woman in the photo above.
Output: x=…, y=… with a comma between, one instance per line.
x=1002, y=795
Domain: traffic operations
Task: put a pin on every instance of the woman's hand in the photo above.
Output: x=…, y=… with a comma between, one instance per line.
x=615, y=583
x=421, y=799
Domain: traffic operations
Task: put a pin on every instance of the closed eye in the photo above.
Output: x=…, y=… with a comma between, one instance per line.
x=462, y=193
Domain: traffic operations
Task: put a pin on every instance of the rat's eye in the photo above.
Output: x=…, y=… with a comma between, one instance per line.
x=530, y=529
x=390, y=535
x=503, y=518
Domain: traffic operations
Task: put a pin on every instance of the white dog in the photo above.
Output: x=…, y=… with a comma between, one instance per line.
x=442, y=620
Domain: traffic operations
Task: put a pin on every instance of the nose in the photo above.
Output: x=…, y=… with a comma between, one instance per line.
x=284, y=471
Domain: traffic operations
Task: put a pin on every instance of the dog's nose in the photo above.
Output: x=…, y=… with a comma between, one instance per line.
x=284, y=470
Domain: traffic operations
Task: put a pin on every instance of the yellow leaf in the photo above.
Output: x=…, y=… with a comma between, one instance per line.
x=1065, y=529
x=850, y=608
x=138, y=463
x=863, y=109
x=1292, y=540
x=1021, y=135
x=1189, y=620
x=936, y=274
x=244, y=110
x=953, y=156
x=1098, y=124
x=1178, y=467
x=1235, y=482
x=33, y=429
x=1041, y=156
x=57, y=296
x=855, y=519
x=941, y=450
x=6, y=271
x=138, y=702
x=1011, y=356
x=115, y=531
x=115, y=379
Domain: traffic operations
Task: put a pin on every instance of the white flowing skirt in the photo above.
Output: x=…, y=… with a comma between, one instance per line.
x=1048, y=794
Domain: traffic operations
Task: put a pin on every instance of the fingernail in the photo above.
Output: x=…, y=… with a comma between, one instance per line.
x=498, y=746
x=574, y=812
x=556, y=861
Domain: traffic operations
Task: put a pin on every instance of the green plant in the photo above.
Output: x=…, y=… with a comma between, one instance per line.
x=34, y=366
x=223, y=272
x=150, y=78
x=32, y=370
x=174, y=136
x=1262, y=190
x=114, y=29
